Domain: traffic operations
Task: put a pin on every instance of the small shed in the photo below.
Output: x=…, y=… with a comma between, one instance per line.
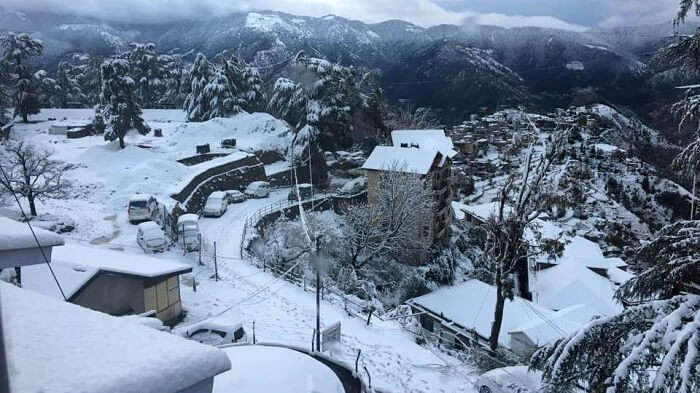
x=18, y=247
x=113, y=282
x=63, y=348
x=62, y=127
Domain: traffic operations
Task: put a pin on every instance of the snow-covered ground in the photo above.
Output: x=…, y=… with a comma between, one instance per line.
x=104, y=177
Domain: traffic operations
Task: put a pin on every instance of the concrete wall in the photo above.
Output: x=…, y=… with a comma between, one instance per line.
x=203, y=386
x=112, y=294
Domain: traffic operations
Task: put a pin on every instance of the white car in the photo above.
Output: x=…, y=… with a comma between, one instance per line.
x=353, y=187
x=151, y=238
x=305, y=190
x=215, y=332
x=188, y=231
x=258, y=189
x=216, y=204
x=516, y=379
x=235, y=196
x=142, y=207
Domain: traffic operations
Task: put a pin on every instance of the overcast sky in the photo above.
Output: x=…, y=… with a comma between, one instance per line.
x=566, y=14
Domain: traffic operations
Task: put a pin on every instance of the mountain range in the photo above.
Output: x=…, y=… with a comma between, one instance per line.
x=456, y=70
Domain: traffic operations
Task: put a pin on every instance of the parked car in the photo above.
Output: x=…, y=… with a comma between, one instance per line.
x=151, y=238
x=305, y=191
x=142, y=207
x=517, y=379
x=235, y=196
x=215, y=331
x=216, y=204
x=258, y=189
x=353, y=187
x=188, y=231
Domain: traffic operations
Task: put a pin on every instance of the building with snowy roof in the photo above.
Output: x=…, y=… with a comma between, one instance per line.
x=18, y=246
x=463, y=314
x=434, y=169
x=424, y=139
x=59, y=347
x=112, y=282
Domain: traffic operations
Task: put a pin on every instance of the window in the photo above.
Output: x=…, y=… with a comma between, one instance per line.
x=238, y=334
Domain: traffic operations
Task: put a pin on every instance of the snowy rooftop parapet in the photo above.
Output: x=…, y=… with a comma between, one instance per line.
x=417, y=161
x=63, y=348
x=424, y=139
x=16, y=235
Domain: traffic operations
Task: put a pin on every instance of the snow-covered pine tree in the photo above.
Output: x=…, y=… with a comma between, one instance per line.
x=252, y=90
x=288, y=102
x=221, y=96
x=172, y=76
x=16, y=49
x=49, y=90
x=118, y=104
x=653, y=346
x=687, y=163
x=147, y=71
x=196, y=106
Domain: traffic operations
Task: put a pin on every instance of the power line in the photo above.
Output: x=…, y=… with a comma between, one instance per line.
x=36, y=239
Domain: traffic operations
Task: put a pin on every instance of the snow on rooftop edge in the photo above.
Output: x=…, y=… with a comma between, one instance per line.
x=59, y=347
x=433, y=139
x=16, y=235
x=409, y=160
x=471, y=304
x=116, y=261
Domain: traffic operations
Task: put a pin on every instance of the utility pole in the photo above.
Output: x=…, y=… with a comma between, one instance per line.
x=318, y=298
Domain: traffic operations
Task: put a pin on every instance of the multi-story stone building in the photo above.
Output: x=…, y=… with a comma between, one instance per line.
x=428, y=155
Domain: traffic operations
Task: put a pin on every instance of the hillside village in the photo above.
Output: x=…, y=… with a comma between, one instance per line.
x=180, y=223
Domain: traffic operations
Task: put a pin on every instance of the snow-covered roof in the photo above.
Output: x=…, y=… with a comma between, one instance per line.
x=585, y=253
x=17, y=236
x=118, y=261
x=140, y=198
x=604, y=147
x=59, y=347
x=149, y=226
x=471, y=305
x=425, y=139
x=571, y=283
x=74, y=265
x=251, y=373
x=542, y=331
x=409, y=160
x=187, y=218
x=72, y=277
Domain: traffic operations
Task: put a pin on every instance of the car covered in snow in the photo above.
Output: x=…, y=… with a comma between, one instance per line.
x=215, y=331
x=305, y=191
x=235, y=196
x=353, y=187
x=151, y=238
x=516, y=379
x=216, y=204
x=142, y=207
x=258, y=189
x=188, y=232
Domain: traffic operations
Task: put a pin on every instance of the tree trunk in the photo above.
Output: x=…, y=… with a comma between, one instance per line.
x=32, y=206
x=692, y=200
x=25, y=117
x=497, y=315
x=121, y=142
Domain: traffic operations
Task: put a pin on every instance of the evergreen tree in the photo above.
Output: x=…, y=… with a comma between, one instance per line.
x=288, y=102
x=69, y=94
x=118, y=104
x=195, y=105
x=18, y=48
x=252, y=90
x=653, y=346
x=146, y=70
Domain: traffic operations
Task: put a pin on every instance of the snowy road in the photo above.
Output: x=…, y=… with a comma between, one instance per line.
x=285, y=313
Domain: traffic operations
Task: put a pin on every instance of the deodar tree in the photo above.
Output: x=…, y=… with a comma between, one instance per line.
x=16, y=49
x=118, y=107
x=30, y=172
x=653, y=346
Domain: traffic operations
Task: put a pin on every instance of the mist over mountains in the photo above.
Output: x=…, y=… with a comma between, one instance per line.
x=457, y=70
